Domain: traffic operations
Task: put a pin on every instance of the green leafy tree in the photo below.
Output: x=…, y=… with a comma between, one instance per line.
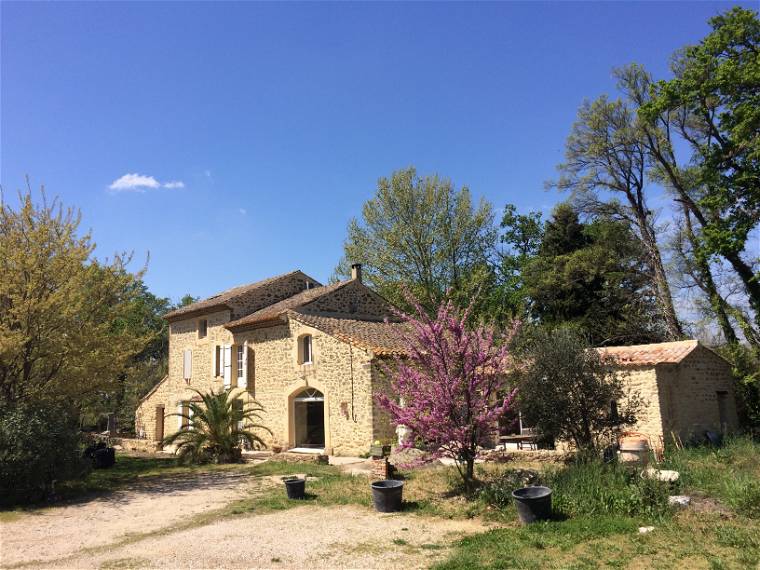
x=572, y=392
x=712, y=105
x=422, y=235
x=592, y=275
x=62, y=311
x=605, y=168
x=520, y=237
x=217, y=428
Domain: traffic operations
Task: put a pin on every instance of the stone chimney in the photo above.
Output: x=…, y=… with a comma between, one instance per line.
x=356, y=272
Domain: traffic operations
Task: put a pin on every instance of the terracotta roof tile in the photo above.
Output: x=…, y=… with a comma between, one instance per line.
x=651, y=354
x=220, y=300
x=277, y=309
x=382, y=338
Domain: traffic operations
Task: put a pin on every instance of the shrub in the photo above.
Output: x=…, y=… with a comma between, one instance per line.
x=40, y=445
x=217, y=429
x=571, y=392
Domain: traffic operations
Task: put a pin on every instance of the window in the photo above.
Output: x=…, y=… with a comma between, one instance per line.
x=202, y=328
x=187, y=364
x=237, y=411
x=305, y=349
x=218, y=365
x=240, y=361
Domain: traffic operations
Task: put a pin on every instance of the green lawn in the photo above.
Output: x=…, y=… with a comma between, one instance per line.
x=599, y=509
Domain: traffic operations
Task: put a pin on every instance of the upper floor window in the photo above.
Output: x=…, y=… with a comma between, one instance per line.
x=305, y=354
x=240, y=361
x=202, y=328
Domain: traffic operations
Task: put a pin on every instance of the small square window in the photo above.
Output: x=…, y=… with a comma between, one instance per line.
x=240, y=353
x=202, y=328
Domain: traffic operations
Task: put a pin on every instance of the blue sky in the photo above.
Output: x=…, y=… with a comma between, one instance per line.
x=259, y=129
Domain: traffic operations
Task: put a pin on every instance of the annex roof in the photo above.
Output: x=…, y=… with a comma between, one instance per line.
x=652, y=354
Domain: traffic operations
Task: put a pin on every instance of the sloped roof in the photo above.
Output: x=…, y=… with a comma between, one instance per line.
x=651, y=354
x=220, y=300
x=382, y=338
x=275, y=310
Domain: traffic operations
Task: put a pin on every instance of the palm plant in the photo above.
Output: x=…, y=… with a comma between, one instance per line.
x=217, y=429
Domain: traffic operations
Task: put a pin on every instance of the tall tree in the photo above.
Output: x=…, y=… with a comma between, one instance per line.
x=593, y=275
x=713, y=105
x=62, y=333
x=422, y=234
x=605, y=169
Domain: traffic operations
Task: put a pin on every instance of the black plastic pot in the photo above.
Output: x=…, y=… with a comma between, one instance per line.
x=296, y=488
x=533, y=504
x=104, y=458
x=386, y=495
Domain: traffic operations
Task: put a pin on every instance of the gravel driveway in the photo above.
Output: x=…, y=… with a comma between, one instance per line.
x=92, y=534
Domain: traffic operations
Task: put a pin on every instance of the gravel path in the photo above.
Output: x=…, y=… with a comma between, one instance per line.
x=92, y=534
x=57, y=532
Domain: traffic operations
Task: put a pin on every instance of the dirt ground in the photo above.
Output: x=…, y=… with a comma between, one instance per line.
x=110, y=532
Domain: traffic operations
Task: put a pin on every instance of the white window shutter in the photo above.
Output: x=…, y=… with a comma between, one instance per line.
x=187, y=364
x=243, y=378
x=227, y=366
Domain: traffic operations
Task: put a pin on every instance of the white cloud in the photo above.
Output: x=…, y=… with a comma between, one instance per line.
x=140, y=182
x=243, y=211
x=134, y=183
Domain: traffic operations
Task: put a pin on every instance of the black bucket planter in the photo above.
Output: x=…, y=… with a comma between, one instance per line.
x=533, y=504
x=296, y=488
x=104, y=458
x=386, y=495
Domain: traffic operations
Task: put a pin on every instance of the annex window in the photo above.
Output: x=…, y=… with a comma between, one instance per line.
x=202, y=328
x=305, y=355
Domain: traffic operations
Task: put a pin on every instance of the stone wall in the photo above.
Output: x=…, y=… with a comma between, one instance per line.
x=341, y=372
x=353, y=298
x=691, y=392
x=643, y=380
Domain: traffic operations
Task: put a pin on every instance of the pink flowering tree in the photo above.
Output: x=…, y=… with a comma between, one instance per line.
x=450, y=389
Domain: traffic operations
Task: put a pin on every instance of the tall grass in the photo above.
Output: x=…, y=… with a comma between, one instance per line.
x=730, y=473
x=587, y=488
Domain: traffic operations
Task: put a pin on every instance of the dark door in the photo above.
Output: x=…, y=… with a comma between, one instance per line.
x=315, y=423
x=159, y=436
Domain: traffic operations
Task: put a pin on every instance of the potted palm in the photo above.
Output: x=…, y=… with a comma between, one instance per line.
x=217, y=429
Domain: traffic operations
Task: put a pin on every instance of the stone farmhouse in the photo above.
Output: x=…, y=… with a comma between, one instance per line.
x=312, y=356
x=308, y=353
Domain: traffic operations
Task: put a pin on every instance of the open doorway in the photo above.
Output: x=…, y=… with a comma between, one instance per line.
x=309, y=419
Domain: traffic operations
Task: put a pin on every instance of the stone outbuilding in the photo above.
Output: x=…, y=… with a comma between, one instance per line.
x=688, y=388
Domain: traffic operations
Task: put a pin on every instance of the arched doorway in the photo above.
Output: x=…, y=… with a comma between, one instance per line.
x=309, y=418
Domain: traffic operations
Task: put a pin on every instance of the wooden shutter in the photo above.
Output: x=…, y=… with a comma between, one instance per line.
x=215, y=361
x=250, y=370
x=227, y=366
x=233, y=366
x=187, y=364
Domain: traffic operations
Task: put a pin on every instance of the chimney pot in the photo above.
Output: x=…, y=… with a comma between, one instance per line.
x=356, y=272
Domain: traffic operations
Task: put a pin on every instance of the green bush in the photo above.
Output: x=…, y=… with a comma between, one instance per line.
x=40, y=445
